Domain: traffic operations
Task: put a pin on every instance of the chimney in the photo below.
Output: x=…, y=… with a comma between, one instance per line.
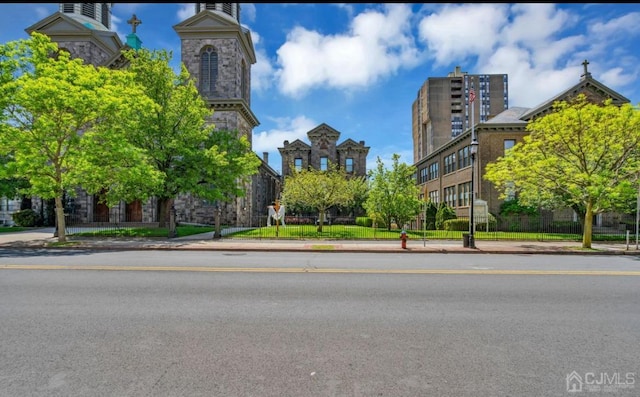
x=265, y=157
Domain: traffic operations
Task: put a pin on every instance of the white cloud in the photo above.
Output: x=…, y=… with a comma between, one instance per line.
x=185, y=11
x=461, y=31
x=626, y=24
x=262, y=71
x=287, y=129
x=42, y=12
x=376, y=45
x=247, y=12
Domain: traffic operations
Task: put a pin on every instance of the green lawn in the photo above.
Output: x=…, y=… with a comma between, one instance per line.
x=13, y=229
x=147, y=231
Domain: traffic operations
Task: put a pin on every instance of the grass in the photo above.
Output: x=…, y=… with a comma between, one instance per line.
x=13, y=229
x=147, y=231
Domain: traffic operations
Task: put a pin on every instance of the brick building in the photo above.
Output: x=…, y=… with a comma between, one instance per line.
x=445, y=174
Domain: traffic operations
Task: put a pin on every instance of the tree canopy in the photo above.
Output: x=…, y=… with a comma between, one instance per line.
x=184, y=146
x=583, y=155
x=65, y=125
x=393, y=193
x=321, y=190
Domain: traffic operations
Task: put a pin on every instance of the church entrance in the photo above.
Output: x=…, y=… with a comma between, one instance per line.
x=134, y=211
x=100, y=209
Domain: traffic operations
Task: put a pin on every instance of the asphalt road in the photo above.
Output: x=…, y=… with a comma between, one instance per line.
x=175, y=330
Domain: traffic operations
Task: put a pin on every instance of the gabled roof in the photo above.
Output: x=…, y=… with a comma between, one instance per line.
x=213, y=24
x=351, y=144
x=62, y=27
x=586, y=85
x=296, y=145
x=511, y=115
x=324, y=129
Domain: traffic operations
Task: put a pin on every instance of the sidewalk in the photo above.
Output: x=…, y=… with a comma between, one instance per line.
x=43, y=238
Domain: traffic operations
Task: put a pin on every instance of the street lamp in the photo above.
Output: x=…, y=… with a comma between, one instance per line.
x=472, y=226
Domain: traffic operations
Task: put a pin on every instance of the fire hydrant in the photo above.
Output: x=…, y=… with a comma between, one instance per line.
x=403, y=238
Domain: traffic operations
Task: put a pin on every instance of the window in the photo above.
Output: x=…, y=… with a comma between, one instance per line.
x=464, y=158
x=434, y=196
x=226, y=8
x=450, y=196
x=324, y=163
x=297, y=163
x=105, y=15
x=450, y=163
x=508, y=144
x=348, y=164
x=424, y=175
x=243, y=81
x=464, y=194
x=89, y=10
x=208, y=70
x=433, y=171
x=67, y=8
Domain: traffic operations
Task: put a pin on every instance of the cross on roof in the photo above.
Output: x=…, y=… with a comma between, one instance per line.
x=585, y=63
x=134, y=22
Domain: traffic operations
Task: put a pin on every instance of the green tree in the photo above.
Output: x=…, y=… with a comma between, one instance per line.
x=320, y=190
x=185, y=148
x=393, y=194
x=583, y=155
x=65, y=125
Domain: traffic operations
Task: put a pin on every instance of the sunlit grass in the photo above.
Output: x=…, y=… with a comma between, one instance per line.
x=146, y=231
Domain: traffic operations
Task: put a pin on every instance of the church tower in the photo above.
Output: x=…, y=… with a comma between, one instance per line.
x=84, y=30
x=218, y=53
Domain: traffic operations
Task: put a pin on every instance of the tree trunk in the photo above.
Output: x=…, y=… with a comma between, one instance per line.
x=60, y=220
x=320, y=221
x=164, y=205
x=588, y=226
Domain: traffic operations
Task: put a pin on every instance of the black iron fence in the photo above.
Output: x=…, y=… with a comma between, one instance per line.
x=532, y=228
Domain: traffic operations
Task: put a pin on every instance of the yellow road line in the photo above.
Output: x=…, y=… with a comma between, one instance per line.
x=328, y=270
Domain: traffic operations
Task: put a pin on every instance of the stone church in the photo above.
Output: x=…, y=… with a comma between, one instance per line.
x=218, y=52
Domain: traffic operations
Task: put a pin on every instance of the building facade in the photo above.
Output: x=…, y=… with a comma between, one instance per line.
x=218, y=53
x=444, y=175
x=324, y=149
x=442, y=110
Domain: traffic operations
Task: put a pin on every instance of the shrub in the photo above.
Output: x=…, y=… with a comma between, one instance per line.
x=444, y=213
x=364, y=221
x=26, y=218
x=456, y=224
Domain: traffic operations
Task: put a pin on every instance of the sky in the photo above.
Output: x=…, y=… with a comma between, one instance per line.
x=358, y=67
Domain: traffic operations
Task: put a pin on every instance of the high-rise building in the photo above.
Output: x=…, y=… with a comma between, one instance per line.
x=441, y=110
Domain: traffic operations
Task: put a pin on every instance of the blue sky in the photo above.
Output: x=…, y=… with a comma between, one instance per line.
x=358, y=67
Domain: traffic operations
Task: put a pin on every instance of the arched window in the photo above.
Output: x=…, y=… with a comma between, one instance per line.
x=243, y=81
x=208, y=70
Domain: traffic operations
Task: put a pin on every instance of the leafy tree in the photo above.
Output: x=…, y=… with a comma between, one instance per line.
x=583, y=155
x=393, y=194
x=65, y=125
x=320, y=190
x=430, y=215
x=192, y=156
x=513, y=207
x=443, y=214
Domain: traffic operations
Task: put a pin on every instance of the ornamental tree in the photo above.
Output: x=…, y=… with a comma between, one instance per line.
x=393, y=194
x=65, y=126
x=320, y=189
x=584, y=155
